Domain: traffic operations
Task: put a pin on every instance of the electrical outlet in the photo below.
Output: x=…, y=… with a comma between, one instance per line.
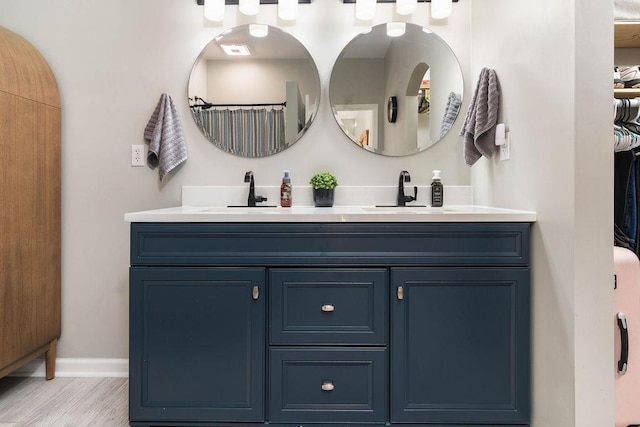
x=137, y=155
x=505, y=149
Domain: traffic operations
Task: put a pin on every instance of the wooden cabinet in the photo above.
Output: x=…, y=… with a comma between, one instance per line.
x=314, y=323
x=29, y=206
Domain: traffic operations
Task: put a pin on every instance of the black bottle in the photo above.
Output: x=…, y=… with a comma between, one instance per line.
x=437, y=190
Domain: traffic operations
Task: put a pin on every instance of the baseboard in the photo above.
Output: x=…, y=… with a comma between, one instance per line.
x=72, y=367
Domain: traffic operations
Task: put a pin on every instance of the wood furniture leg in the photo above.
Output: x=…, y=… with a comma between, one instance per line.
x=50, y=363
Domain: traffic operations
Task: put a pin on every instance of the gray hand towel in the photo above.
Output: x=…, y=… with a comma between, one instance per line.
x=479, y=128
x=167, y=147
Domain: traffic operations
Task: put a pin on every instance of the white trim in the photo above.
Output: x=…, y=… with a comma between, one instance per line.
x=73, y=367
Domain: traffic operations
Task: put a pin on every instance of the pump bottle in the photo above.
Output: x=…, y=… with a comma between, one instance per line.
x=437, y=190
x=285, y=191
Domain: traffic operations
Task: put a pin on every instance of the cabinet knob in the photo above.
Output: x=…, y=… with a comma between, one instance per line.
x=256, y=292
x=328, y=308
x=327, y=386
x=400, y=293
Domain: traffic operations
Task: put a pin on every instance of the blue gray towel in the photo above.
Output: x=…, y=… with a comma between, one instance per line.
x=167, y=148
x=479, y=128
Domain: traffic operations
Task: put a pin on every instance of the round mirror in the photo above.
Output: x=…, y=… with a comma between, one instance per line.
x=396, y=90
x=254, y=90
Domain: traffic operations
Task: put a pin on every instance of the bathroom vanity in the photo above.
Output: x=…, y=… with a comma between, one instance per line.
x=293, y=317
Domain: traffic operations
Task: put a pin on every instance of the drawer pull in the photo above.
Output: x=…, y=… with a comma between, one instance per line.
x=328, y=308
x=256, y=292
x=400, y=293
x=327, y=386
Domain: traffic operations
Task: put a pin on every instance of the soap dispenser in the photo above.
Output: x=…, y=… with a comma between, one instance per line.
x=437, y=190
x=285, y=191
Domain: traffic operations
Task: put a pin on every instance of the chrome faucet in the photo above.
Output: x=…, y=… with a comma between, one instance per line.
x=402, y=199
x=252, y=199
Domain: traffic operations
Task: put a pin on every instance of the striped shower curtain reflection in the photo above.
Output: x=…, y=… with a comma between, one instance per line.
x=255, y=132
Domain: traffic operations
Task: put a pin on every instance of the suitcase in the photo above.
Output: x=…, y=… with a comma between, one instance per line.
x=627, y=337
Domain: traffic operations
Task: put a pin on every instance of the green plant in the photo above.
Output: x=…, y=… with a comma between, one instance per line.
x=323, y=180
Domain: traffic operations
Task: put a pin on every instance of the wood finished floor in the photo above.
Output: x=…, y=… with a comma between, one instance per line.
x=63, y=402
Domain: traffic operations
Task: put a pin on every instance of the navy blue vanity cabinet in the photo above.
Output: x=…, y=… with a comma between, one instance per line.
x=342, y=324
x=197, y=344
x=460, y=345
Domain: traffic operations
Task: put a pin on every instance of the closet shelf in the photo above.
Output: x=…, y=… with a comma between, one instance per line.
x=626, y=93
x=627, y=34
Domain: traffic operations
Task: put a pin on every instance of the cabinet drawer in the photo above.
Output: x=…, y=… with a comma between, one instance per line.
x=338, y=384
x=339, y=244
x=328, y=306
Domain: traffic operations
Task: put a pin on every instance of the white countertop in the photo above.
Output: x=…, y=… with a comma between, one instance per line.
x=453, y=213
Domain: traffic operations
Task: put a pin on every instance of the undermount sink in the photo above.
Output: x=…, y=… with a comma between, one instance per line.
x=237, y=209
x=251, y=207
x=398, y=206
x=409, y=209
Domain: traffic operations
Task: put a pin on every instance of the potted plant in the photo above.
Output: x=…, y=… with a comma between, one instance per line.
x=323, y=184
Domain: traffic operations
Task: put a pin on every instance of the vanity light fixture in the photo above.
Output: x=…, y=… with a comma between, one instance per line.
x=288, y=9
x=365, y=9
x=249, y=7
x=214, y=10
x=441, y=9
x=258, y=30
x=396, y=29
x=406, y=7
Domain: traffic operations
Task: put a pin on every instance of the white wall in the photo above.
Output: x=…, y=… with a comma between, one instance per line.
x=553, y=59
x=112, y=60
x=258, y=81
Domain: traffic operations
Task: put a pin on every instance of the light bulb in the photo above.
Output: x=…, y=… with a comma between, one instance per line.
x=288, y=9
x=258, y=30
x=441, y=9
x=406, y=7
x=249, y=7
x=214, y=10
x=396, y=29
x=365, y=9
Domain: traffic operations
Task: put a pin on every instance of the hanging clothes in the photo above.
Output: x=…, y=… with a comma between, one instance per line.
x=626, y=195
x=626, y=131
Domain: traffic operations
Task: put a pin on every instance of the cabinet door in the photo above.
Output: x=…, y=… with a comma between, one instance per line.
x=197, y=344
x=460, y=345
